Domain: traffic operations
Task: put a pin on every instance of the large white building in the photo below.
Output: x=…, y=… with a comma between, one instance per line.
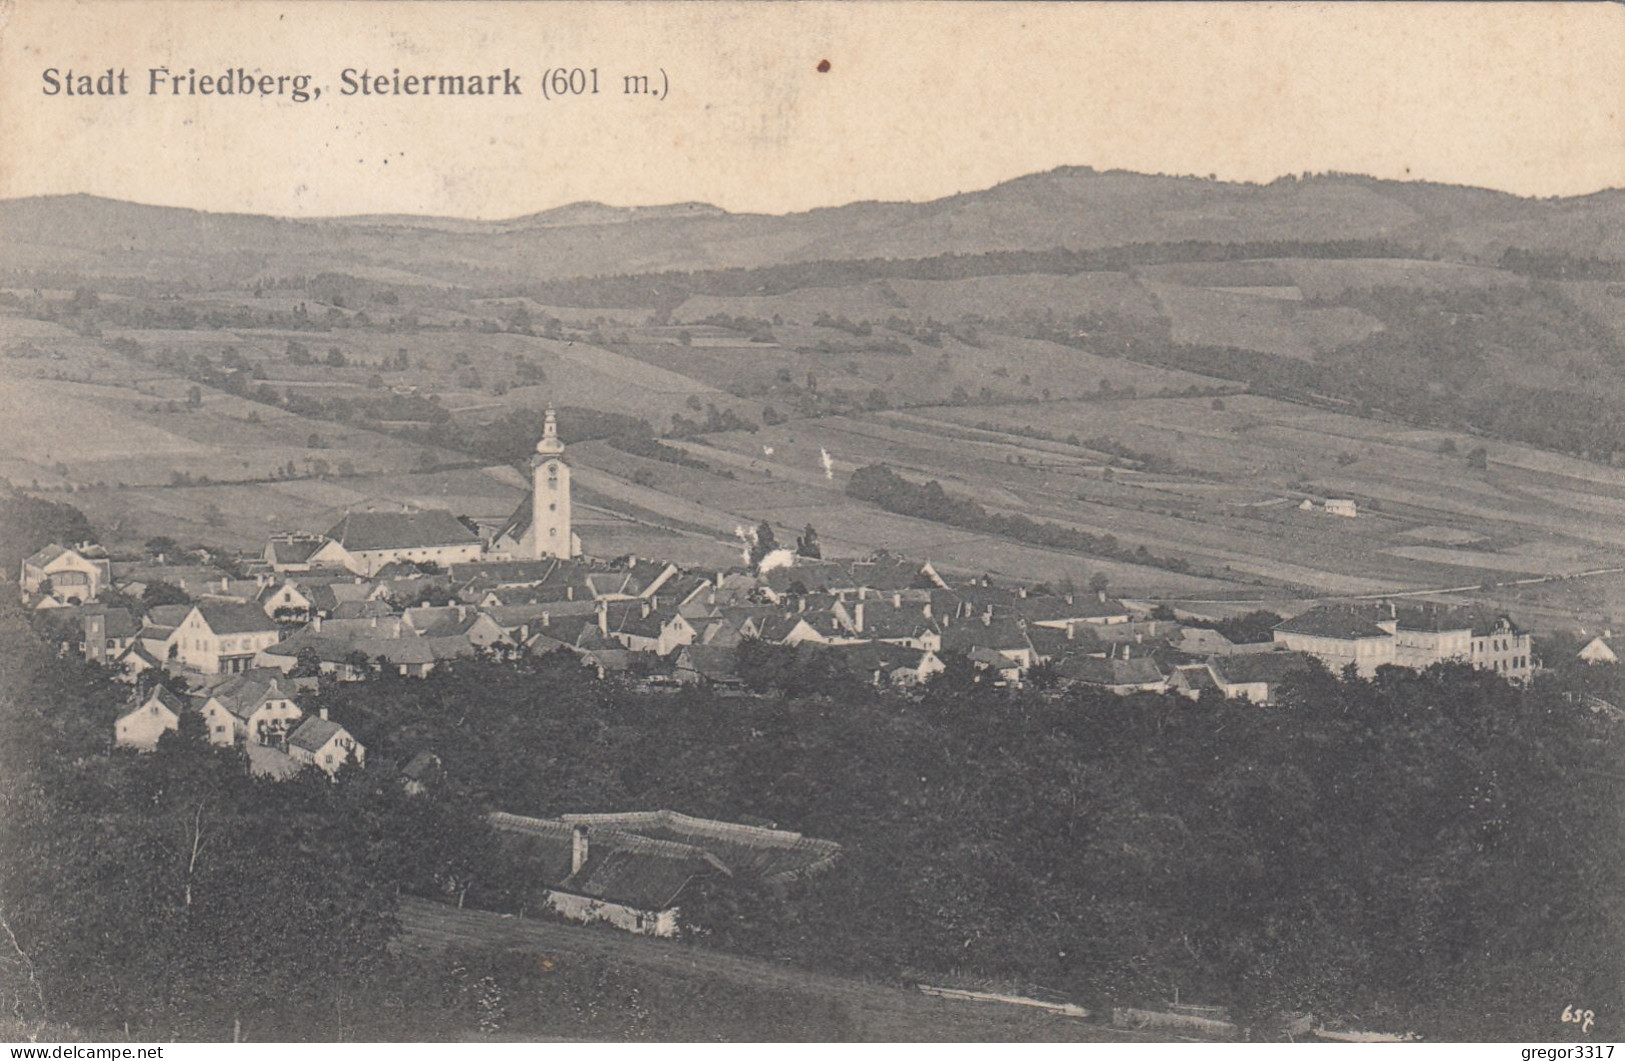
x=1417, y=637
x=541, y=525
x=373, y=540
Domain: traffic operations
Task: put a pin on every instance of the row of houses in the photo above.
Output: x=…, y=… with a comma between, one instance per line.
x=258, y=713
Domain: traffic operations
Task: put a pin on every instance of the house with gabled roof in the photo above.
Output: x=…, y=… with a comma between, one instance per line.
x=147, y=718
x=66, y=575
x=633, y=870
x=299, y=553
x=1599, y=649
x=1004, y=635
x=1062, y=611
x=252, y=708
x=223, y=637
x=636, y=626
x=320, y=742
x=287, y=602
x=135, y=661
x=1339, y=636
x=1114, y=674
x=433, y=535
x=1257, y=676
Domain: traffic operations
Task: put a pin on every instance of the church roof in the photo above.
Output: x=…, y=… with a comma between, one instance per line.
x=401, y=530
x=518, y=523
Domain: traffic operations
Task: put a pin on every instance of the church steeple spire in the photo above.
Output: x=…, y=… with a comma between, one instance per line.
x=550, y=443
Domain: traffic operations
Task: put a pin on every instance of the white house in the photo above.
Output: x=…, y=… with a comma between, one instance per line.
x=1599, y=649
x=376, y=539
x=252, y=709
x=1339, y=637
x=69, y=575
x=223, y=637
x=324, y=744
x=147, y=719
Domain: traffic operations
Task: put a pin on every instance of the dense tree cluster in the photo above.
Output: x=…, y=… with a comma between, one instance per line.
x=1437, y=850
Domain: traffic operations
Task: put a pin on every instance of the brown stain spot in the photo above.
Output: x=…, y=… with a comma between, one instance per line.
x=823, y=66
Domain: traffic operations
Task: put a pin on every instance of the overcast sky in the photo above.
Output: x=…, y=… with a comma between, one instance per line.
x=920, y=100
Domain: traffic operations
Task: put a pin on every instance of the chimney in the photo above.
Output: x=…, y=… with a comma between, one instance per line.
x=316, y=623
x=225, y=584
x=1022, y=592
x=462, y=612
x=926, y=611
x=569, y=593
x=323, y=713
x=644, y=607
x=1102, y=595
x=1071, y=632
x=546, y=618
x=375, y=622
x=1069, y=598
x=987, y=617
x=896, y=600
x=801, y=604
x=578, y=848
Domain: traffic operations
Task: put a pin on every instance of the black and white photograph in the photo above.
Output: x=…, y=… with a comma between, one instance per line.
x=872, y=522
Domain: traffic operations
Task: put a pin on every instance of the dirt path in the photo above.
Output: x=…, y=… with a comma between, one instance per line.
x=879, y=1012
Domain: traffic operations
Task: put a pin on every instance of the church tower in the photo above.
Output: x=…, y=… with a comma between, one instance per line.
x=550, y=497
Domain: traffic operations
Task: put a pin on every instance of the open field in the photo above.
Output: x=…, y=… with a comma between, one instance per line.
x=444, y=330
x=870, y=1011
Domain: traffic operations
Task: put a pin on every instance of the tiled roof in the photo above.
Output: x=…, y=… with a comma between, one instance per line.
x=1329, y=621
x=1079, y=606
x=159, y=693
x=772, y=855
x=297, y=551
x=1268, y=667
x=45, y=555
x=401, y=530
x=227, y=617
x=243, y=694
x=1091, y=670
x=314, y=732
x=965, y=634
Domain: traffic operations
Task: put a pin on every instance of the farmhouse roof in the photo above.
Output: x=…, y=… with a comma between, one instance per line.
x=294, y=550
x=773, y=855
x=1092, y=670
x=401, y=530
x=1341, y=623
x=160, y=694
x=715, y=662
x=232, y=617
x=314, y=732
x=243, y=694
x=46, y=555
x=1267, y=667
x=1078, y=606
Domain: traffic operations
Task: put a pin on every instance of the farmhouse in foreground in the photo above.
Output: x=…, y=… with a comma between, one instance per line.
x=632, y=870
